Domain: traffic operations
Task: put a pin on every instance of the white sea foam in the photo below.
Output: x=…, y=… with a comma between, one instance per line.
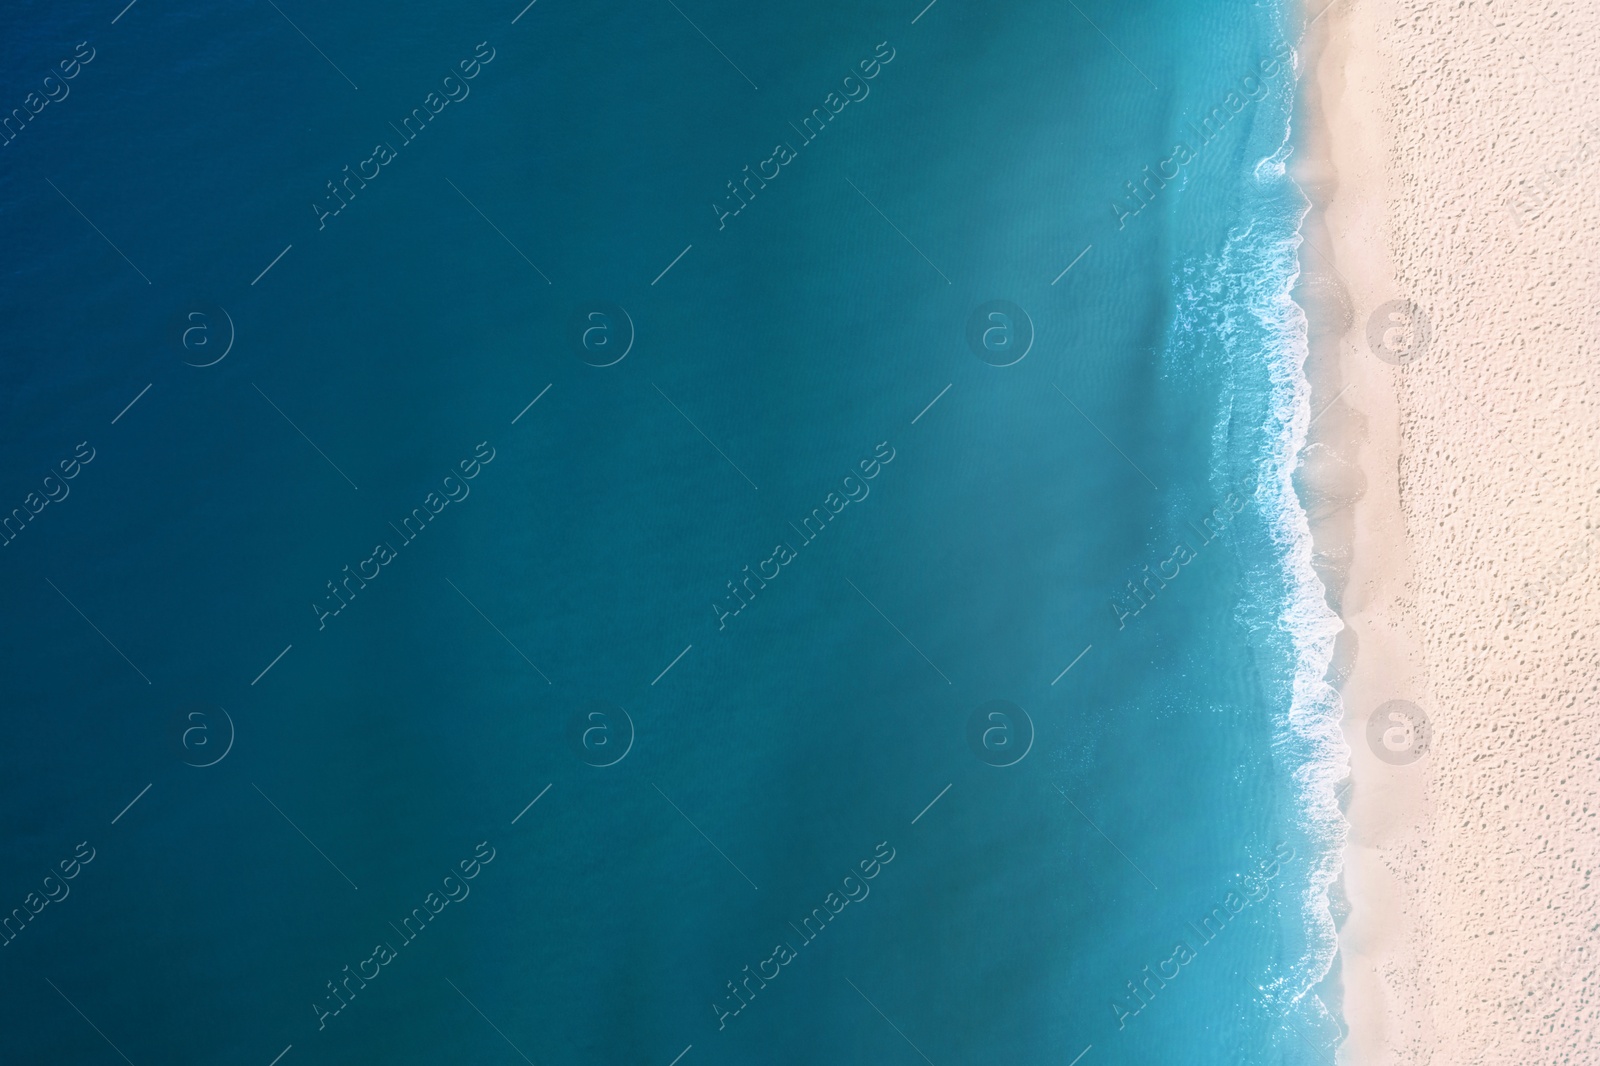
x=1238, y=306
x=1310, y=732
x=1309, y=735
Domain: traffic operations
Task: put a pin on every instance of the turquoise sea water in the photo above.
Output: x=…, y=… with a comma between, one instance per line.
x=606, y=532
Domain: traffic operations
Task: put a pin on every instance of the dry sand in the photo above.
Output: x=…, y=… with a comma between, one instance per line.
x=1454, y=153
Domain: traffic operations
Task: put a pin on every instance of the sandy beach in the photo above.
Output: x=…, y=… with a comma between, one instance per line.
x=1451, y=473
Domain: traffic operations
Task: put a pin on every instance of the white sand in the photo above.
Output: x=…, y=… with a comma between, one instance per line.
x=1466, y=142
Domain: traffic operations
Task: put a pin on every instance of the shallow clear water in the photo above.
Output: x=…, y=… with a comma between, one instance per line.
x=731, y=607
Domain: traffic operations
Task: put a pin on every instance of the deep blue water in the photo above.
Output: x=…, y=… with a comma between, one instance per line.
x=335, y=609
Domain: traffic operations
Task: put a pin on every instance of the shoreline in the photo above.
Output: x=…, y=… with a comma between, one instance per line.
x=1446, y=474
x=1351, y=494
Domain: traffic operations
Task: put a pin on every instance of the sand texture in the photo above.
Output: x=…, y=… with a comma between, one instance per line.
x=1453, y=478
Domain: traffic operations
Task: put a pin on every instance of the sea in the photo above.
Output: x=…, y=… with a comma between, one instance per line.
x=669, y=532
